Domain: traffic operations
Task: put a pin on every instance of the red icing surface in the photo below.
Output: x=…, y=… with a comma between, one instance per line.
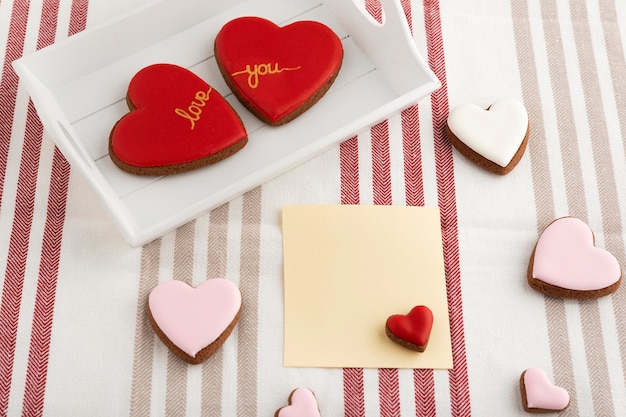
x=179, y=118
x=277, y=69
x=414, y=327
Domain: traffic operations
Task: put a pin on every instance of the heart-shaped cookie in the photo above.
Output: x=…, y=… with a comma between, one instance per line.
x=412, y=330
x=278, y=72
x=566, y=263
x=177, y=123
x=302, y=403
x=539, y=394
x=494, y=139
x=194, y=322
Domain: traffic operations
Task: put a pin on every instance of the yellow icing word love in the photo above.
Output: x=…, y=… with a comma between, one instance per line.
x=260, y=70
x=194, y=110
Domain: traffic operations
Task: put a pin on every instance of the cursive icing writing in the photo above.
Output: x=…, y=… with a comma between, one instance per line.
x=260, y=70
x=194, y=110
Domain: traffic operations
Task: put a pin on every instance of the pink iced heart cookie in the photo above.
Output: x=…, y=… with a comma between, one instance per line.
x=302, y=403
x=194, y=322
x=539, y=395
x=494, y=139
x=566, y=263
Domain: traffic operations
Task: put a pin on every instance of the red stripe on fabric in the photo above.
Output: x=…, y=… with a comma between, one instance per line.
x=18, y=245
x=388, y=387
x=349, y=169
x=406, y=6
x=48, y=23
x=381, y=164
x=78, y=16
x=423, y=379
x=424, y=384
x=34, y=135
x=41, y=332
x=17, y=254
x=389, y=392
x=9, y=82
x=353, y=390
x=353, y=393
x=444, y=164
x=374, y=8
x=411, y=145
x=17, y=251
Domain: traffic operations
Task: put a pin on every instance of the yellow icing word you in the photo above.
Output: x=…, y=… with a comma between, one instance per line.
x=260, y=70
x=194, y=110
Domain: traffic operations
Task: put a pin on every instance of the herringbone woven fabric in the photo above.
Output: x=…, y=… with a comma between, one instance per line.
x=74, y=337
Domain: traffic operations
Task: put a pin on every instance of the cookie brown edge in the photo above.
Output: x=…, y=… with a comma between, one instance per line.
x=560, y=292
x=256, y=112
x=174, y=168
x=205, y=352
x=289, y=399
x=522, y=388
x=404, y=343
x=483, y=162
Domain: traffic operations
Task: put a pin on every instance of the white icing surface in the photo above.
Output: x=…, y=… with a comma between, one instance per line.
x=496, y=134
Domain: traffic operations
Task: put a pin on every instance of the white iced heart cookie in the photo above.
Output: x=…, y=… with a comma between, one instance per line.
x=539, y=395
x=494, y=139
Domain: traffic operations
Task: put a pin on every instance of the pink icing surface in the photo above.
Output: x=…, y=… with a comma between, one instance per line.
x=303, y=404
x=565, y=256
x=541, y=393
x=193, y=318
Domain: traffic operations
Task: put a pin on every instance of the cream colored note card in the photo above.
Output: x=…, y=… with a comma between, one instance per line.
x=346, y=270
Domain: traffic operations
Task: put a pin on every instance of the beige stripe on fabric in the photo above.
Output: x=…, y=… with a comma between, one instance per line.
x=589, y=310
x=574, y=184
x=616, y=57
x=217, y=255
x=141, y=387
x=609, y=204
x=542, y=186
x=176, y=388
x=566, y=123
x=537, y=147
x=617, y=66
x=247, y=328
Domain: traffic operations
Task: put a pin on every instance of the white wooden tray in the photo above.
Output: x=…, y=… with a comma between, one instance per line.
x=78, y=87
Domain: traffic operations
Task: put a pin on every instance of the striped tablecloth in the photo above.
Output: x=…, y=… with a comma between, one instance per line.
x=74, y=339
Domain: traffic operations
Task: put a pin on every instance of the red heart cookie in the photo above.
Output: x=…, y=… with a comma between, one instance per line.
x=177, y=123
x=412, y=330
x=278, y=72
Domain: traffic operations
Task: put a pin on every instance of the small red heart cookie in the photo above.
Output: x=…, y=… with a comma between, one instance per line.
x=494, y=139
x=194, y=322
x=539, y=395
x=302, y=403
x=566, y=263
x=412, y=330
x=177, y=123
x=278, y=72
